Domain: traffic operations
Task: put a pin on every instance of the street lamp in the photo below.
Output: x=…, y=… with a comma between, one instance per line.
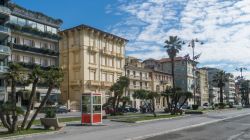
x=241, y=71
x=195, y=57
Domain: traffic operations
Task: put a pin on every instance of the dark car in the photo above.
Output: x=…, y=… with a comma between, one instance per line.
x=62, y=109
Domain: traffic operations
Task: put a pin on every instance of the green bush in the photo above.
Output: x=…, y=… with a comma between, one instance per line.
x=50, y=113
x=222, y=105
x=195, y=107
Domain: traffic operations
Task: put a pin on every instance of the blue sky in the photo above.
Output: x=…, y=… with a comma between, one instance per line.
x=223, y=25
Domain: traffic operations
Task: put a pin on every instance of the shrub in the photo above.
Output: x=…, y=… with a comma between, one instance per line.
x=50, y=113
x=195, y=107
x=222, y=105
x=230, y=105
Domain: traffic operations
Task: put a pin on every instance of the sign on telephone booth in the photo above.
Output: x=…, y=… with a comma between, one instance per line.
x=91, y=108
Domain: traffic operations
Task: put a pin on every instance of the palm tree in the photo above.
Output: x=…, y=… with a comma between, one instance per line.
x=9, y=110
x=54, y=77
x=173, y=46
x=118, y=88
x=220, y=78
x=35, y=76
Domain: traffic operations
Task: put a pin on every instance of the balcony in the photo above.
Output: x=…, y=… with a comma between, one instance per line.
x=36, y=50
x=4, y=52
x=134, y=87
x=105, y=51
x=4, y=13
x=93, y=49
x=3, y=69
x=94, y=83
x=134, y=77
x=119, y=55
x=4, y=32
x=75, y=83
x=107, y=84
x=146, y=88
x=145, y=79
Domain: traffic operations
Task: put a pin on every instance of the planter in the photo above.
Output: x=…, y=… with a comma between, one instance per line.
x=51, y=122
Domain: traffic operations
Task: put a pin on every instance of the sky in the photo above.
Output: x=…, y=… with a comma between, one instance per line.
x=222, y=25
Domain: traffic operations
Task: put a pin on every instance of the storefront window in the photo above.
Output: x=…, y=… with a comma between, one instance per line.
x=96, y=108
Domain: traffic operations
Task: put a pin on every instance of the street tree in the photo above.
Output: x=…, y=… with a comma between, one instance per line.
x=53, y=77
x=9, y=111
x=220, y=79
x=148, y=97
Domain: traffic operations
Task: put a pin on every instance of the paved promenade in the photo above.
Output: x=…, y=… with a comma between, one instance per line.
x=123, y=131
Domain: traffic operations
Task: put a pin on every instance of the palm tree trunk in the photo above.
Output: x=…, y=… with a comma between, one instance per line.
x=40, y=107
x=117, y=103
x=173, y=74
x=153, y=107
x=33, y=91
x=221, y=94
x=13, y=100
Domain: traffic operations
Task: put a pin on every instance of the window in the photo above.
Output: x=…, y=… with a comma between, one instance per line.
x=27, y=42
x=13, y=19
x=92, y=75
x=31, y=23
x=37, y=44
x=49, y=29
x=13, y=40
x=37, y=60
x=52, y=62
x=21, y=21
x=103, y=61
x=92, y=58
x=44, y=62
x=44, y=45
x=54, y=30
x=40, y=27
x=27, y=59
x=103, y=76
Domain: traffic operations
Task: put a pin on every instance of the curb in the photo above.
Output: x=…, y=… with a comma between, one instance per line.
x=183, y=128
x=137, y=122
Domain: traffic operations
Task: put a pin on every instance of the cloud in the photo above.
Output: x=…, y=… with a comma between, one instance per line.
x=223, y=26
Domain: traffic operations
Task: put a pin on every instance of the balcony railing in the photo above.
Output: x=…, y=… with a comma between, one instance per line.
x=94, y=83
x=4, y=51
x=119, y=55
x=5, y=10
x=93, y=49
x=3, y=69
x=36, y=50
x=106, y=84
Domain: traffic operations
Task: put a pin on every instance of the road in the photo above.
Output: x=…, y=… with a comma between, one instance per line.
x=232, y=129
x=125, y=131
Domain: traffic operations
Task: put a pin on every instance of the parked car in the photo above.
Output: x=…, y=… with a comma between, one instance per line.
x=62, y=109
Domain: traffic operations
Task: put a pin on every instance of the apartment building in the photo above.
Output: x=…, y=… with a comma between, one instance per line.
x=5, y=51
x=92, y=60
x=160, y=80
x=229, y=89
x=184, y=77
x=34, y=40
x=139, y=79
x=202, y=87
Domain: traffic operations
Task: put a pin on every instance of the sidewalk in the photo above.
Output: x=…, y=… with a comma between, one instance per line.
x=119, y=131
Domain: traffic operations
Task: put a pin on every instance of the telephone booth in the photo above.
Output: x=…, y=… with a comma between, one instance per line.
x=91, y=108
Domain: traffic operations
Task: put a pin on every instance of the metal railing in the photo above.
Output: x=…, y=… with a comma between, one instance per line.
x=5, y=10
x=4, y=29
x=4, y=49
x=3, y=69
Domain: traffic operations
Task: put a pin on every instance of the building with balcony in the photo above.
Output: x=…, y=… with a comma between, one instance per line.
x=229, y=89
x=160, y=80
x=202, y=87
x=184, y=77
x=5, y=51
x=139, y=79
x=33, y=40
x=92, y=60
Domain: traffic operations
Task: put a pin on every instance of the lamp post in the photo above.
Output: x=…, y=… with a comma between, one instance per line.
x=194, y=57
x=241, y=71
